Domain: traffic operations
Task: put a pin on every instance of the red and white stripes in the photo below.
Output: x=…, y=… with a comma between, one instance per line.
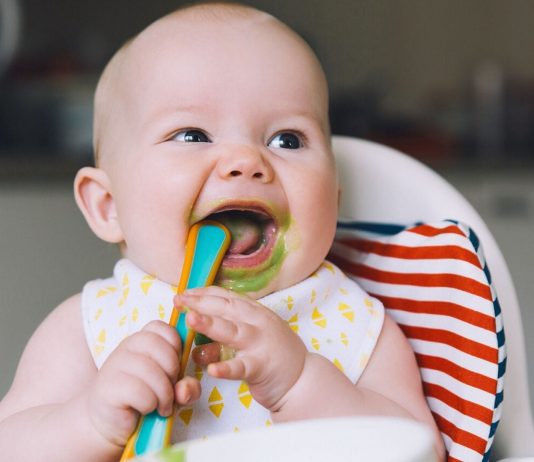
x=433, y=281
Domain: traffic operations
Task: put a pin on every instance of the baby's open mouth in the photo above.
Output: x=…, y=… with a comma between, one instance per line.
x=253, y=231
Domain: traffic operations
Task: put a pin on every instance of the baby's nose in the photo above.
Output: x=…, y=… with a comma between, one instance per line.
x=245, y=163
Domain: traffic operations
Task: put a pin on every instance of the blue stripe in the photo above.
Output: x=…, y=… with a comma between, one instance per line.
x=500, y=338
x=474, y=239
x=388, y=229
x=497, y=306
x=498, y=399
x=502, y=368
x=487, y=272
x=493, y=428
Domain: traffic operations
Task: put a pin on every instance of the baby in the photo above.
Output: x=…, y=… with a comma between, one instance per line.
x=215, y=111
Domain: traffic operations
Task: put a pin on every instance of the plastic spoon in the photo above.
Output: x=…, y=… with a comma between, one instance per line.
x=206, y=245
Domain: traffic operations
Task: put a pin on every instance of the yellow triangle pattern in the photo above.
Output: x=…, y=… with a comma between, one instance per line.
x=244, y=394
x=370, y=307
x=125, y=293
x=294, y=323
x=318, y=318
x=199, y=373
x=315, y=344
x=268, y=423
x=125, y=289
x=135, y=314
x=326, y=294
x=236, y=429
x=99, y=349
x=289, y=302
x=343, y=291
x=313, y=296
x=216, y=409
x=346, y=310
x=329, y=267
x=98, y=314
x=101, y=338
x=339, y=365
x=216, y=398
x=161, y=312
x=122, y=320
x=106, y=291
x=100, y=345
x=344, y=339
x=349, y=315
x=146, y=283
x=186, y=415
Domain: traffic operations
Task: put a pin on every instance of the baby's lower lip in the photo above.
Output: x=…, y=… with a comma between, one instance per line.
x=259, y=256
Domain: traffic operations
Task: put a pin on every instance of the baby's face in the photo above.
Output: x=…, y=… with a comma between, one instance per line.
x=227, y=123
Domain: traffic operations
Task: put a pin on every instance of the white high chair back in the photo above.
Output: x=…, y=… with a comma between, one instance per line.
x=379, y=184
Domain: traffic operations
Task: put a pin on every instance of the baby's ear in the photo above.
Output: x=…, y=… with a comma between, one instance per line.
x=93, y=196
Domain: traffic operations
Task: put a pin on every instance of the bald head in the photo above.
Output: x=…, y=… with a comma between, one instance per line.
x=120, y=84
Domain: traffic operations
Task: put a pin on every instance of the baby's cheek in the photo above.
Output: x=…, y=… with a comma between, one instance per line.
x=292, y=239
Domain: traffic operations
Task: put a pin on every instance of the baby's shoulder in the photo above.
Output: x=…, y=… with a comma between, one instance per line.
x=62, y=322
x=60, y=335
x=56, y=363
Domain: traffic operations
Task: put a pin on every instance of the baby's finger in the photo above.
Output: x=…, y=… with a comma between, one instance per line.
x=234, y=369
x=215, y=291
x=228, y=307
x=153, y=346
x=187, y=391
x=133, y=393
x=236, y=335
x=167, y=332
x=148, y=371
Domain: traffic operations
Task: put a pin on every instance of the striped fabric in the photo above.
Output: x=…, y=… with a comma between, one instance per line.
x=433, y=280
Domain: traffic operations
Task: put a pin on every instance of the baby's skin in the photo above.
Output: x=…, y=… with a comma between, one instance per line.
x=211, y=108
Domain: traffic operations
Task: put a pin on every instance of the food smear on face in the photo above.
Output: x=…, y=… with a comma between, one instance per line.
x=246, y=280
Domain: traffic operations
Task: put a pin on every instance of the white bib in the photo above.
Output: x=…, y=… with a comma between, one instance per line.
x=331, y=314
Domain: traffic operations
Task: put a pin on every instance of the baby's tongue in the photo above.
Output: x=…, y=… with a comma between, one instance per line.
x=246, y=232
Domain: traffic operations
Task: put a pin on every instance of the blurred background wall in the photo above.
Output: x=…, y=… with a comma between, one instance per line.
x=448, y=81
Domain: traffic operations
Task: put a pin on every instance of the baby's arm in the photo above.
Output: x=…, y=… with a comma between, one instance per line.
x=294, y=383
x=389, y=386
x=59, y=408
x=43, y=412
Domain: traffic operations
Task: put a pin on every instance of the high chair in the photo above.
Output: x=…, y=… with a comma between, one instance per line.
x=379, y=184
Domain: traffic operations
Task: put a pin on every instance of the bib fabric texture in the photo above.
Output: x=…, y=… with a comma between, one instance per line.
x=332, y=315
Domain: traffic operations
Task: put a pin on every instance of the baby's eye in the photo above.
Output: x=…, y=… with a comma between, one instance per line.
x=286, y=140
x=191, y=136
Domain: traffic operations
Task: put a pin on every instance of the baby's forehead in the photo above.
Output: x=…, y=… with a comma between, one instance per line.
x=172, y=40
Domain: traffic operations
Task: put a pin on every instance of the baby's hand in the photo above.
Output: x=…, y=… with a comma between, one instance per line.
x=138, y=377
x=269, y=355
